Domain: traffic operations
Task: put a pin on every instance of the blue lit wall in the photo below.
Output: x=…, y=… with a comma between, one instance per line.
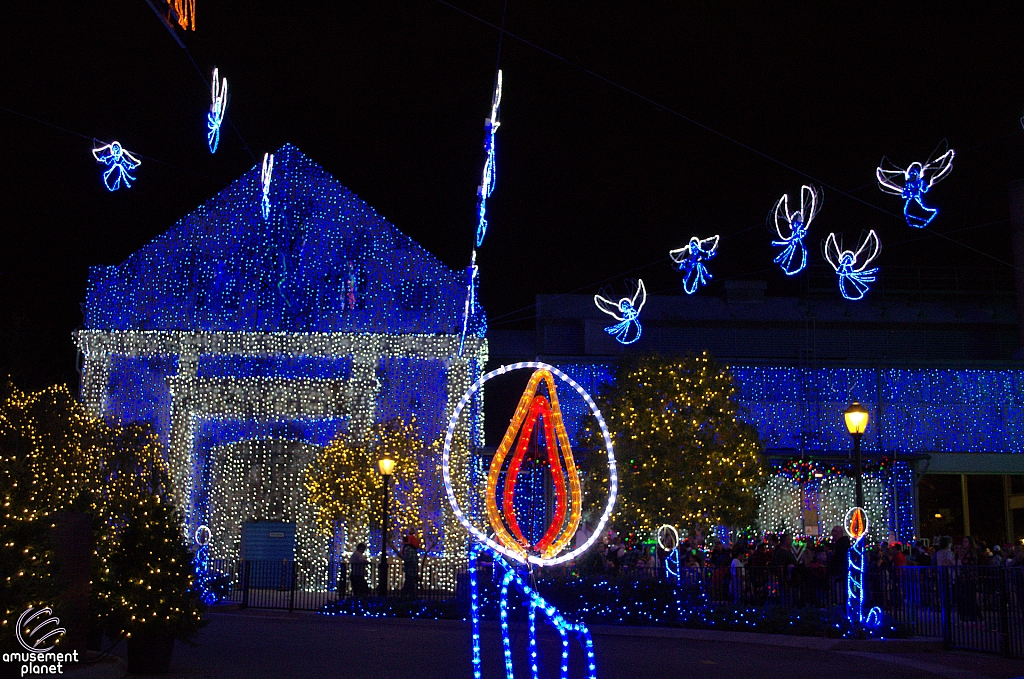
x=913, y=410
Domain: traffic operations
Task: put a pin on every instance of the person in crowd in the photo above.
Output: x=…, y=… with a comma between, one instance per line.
x=997, y=555
x=359, y=563
x=967, y=553
x=944, y=556
x=737, y=570
x=837, y=563
x=411, y=563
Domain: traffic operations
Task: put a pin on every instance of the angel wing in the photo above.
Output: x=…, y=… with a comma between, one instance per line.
x=640, y=294
x=890, y=180
x=609, y=307
x=781, y=209
x=833, y=253
x=680, y=255
x=130, y=161
x=709, y=245
x=937, y=170
x=103, y=154
x=869, y=248
x=810, y=203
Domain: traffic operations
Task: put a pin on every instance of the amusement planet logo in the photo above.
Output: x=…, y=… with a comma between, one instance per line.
x=36, y=628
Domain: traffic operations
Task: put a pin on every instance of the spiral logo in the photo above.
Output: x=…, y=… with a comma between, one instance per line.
x=35, y=629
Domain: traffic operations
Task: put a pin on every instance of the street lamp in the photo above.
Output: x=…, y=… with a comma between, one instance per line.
x=386, y=465
x=856, y=417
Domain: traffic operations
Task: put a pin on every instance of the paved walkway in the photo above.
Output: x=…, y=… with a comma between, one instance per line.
x=275, y=644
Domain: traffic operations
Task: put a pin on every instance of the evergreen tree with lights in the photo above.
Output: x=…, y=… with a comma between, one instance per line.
x=684, y=456
x=346, y=487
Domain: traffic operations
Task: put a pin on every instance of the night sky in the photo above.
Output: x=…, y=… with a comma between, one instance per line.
x=623, y=132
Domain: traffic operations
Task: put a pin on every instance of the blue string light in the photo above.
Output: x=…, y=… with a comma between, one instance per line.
x=691, y=258
x=219, y=94
x=487, y=181
x=119, y=163
x=266, y=174
x=793, y=257
x=627, y=312
x=534, y=601
x=851, y=267
x=912, y=183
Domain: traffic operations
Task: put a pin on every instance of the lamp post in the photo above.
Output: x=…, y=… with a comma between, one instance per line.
x=386, y=466
x=856, y=417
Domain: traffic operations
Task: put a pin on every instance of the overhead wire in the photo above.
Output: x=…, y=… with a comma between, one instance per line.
x=708, y=128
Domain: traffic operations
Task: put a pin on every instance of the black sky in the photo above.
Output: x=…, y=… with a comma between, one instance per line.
x=593, y=181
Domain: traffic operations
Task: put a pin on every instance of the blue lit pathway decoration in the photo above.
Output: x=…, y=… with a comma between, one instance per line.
x=691, y=258
x=119, y=162
x=627, y=312
x=506, y=553
x=851, y=267
x=792, y=228
x=912, y=183
x=219, y=94
x=472, y=309
x=856, y=525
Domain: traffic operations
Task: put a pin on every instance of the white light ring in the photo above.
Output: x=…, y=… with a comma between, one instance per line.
x=613, y=479
x=849, y=516
x=203, y=535
x=664, y=530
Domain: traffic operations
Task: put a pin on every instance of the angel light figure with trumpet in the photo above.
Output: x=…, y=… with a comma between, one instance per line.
x=690, y=260
x=912, y=183
x=792, y=227
x=851, y=266
x=627, y=312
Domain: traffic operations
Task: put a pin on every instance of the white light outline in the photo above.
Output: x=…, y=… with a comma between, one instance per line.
x=629, y=310
x=917, y=179
x=613, y=479
x=205, y=531
x=219, y=96
x=674, y=532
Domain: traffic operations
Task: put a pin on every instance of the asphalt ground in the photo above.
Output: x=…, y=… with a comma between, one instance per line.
x=251, y=644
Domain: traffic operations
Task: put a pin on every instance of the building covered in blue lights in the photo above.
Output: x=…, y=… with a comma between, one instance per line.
x=250, y=342
x=933, y=359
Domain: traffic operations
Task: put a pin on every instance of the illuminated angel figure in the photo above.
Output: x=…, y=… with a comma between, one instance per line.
x=911, y=185
x=119, y=163
x=487, y=181
x=627, y=312
x=792, y=228
x=854, y=275
x=219, y=94
x=265, y=176
x=690, y=260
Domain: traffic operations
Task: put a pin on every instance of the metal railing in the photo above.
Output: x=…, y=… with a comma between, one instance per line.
x=978, y=608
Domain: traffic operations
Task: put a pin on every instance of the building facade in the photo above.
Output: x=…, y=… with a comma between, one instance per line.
x=251, y=338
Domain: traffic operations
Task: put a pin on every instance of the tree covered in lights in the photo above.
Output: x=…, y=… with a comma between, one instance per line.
x=54, y=456
x=685, y=457
x=347, y=489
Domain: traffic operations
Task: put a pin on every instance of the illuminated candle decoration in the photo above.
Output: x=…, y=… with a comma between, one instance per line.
x=534, y=406
x=266, y=174
x=856, y=525
x=691, y=258
x=792, y=228
x=119, y=163
x=201, y=563
x=627, y=312
x=912, y=183
x=219, y=94
x=183, y=13
x=668, y=540
x=851, y=267
x=487, y=181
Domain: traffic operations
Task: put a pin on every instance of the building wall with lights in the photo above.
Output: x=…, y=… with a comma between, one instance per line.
x=936, y=371
x=249, y=343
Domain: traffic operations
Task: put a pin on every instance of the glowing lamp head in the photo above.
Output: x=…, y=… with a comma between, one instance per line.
x=856, y=417
x=386, y=465
x=856, y=523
